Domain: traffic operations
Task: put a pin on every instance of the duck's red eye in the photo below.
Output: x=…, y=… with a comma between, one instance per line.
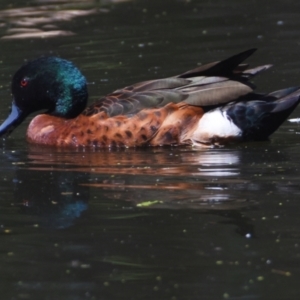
x=24, y=82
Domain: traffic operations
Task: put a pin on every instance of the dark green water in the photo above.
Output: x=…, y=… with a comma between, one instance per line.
x=164, y=223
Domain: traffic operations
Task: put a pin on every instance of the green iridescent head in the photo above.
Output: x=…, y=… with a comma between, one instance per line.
x=47, y=83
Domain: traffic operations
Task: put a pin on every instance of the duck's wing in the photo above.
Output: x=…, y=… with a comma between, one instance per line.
x=208, y=85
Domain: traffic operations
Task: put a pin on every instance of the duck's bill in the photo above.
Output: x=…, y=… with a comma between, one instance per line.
x=15, y=117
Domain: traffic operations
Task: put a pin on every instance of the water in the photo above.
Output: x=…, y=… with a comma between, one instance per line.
x=159, y=223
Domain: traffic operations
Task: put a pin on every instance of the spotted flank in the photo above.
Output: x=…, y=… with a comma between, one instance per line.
x=208, y=106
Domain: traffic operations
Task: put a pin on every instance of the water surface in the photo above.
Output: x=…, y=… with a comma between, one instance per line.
x=159, y=223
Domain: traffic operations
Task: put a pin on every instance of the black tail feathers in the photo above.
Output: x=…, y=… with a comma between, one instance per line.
x=258, y=119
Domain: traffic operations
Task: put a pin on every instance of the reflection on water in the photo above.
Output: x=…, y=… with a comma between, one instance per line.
x=55, y=197
x=111, y=239
x=42, y=20
x=57, y=185
x=176, y=161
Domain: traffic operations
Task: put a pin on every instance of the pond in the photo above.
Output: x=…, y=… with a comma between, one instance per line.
x=157, y=223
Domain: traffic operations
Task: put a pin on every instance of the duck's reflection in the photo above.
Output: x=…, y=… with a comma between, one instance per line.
x=57, y=197
x=57, y=185
x=60, y=184
x=155, y=161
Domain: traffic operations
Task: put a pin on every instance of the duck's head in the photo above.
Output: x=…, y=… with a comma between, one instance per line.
x=47, y=83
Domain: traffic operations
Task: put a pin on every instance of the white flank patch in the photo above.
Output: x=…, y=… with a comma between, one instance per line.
x=214, y=125
x=296, y=120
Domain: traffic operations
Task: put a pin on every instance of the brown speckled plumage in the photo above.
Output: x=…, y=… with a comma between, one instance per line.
x=169, y=125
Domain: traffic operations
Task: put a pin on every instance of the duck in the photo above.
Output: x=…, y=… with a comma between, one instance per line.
x=209, y=106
